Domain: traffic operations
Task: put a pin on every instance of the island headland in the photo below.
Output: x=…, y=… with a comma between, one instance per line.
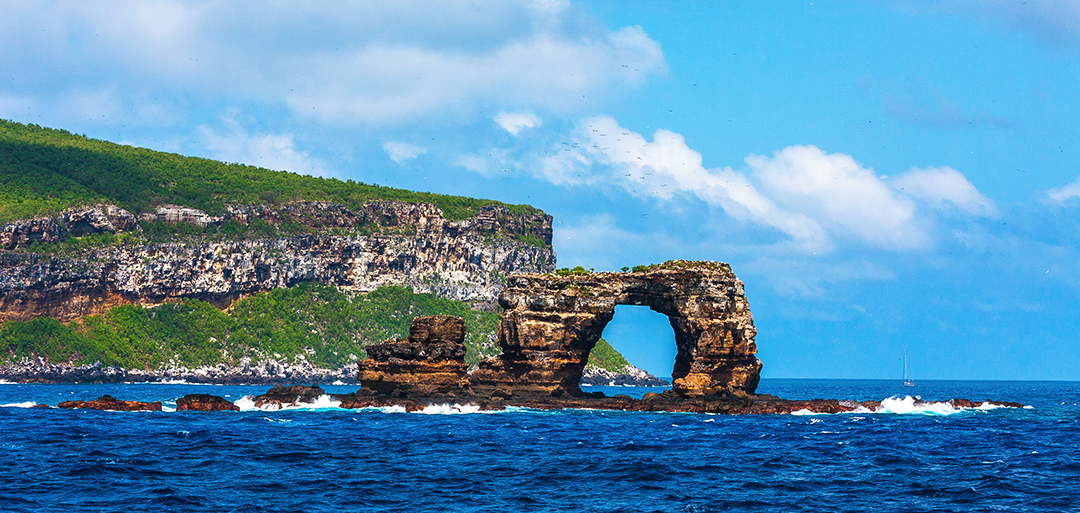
x=125, y=264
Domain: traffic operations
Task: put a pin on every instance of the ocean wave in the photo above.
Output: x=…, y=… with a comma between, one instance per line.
x=27, y=404
x=450, y=409
x=323, y=402
x=908, y=405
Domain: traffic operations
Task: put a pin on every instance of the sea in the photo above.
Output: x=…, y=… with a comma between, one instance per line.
x=909, y=456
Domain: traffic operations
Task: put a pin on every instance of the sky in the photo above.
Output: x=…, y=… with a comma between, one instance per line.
x=883, y=176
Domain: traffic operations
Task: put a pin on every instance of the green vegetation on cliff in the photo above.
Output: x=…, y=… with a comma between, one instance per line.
x=44, y=171
x=606, y=357
x=321, y=323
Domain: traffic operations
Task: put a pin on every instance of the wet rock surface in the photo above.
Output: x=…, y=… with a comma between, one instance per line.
x=110, y=403
x=722, y=403
x=282, y=396
x=205, y=402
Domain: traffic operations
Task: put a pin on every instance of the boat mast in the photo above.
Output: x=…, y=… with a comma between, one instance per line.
x=905, y=364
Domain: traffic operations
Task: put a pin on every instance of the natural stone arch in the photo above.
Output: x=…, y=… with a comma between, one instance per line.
x=551, y=322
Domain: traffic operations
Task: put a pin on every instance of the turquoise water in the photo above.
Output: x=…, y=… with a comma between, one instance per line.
x=327, y=459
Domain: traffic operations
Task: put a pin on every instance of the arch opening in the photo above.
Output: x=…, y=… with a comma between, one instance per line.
x=644, y=337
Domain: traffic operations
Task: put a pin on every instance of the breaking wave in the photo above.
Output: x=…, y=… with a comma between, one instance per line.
x=323, y=402
x=909, y=405
x=26, y=404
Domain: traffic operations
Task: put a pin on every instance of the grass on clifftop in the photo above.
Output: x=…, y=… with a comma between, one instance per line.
x=320, y=322
x=44, y=171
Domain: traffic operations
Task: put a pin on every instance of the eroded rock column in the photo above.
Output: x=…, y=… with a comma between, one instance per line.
x=430, y=361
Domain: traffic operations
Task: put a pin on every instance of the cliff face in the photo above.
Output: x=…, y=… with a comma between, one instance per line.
x=385, y=242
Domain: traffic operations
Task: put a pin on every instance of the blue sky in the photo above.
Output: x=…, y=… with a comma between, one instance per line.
x=881, y=175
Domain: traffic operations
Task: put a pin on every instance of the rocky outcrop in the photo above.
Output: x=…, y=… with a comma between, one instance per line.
x=727, y=403
x=73, y=222
x=430, y=361
x=205, y=402
x=110, y=403
x=289, y=396
x=97, y=219
x=384, y=243
x=552, y=321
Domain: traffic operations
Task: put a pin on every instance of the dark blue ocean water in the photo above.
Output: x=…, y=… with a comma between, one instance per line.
x=338, y=460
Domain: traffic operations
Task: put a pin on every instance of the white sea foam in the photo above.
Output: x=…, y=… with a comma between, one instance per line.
x=323, y=402
x=910, y=405
x=246, y=403
x=907, y=405
x=27, y=404
x=338, y=382
x=450, y=409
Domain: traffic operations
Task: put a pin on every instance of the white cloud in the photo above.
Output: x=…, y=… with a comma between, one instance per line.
x=815, y=199
x=346, y=62
x=940, y=185
x=810, y=195
x=514, y=122
x=271, y=151
x=400, y=152
x=1065, y=193
x=840, y=194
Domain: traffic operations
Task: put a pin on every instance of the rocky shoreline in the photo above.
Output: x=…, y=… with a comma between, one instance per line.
x=630, y=377
x=266, y=372
x=298, y=396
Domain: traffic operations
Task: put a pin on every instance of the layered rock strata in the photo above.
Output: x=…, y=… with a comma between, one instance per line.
x=383, y=243
x=430, y=361
x=551, y=322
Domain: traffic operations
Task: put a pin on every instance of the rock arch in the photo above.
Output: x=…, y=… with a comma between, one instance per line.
x=551, y=322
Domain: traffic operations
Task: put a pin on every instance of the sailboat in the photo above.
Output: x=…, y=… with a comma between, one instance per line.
x=907, y=382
